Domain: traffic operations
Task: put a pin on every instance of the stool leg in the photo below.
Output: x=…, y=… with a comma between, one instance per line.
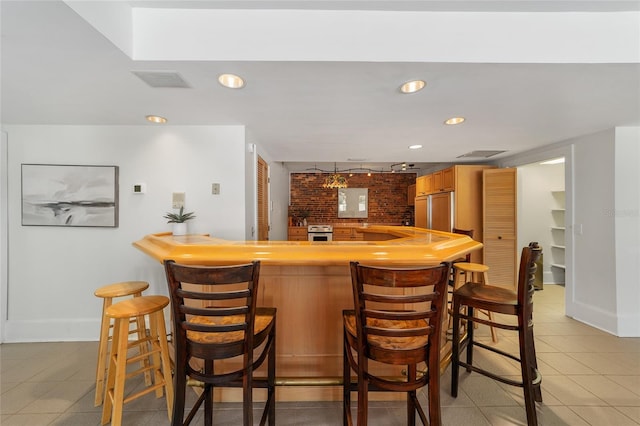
x=141, y=329
x=158, y=318
x=155, y=353
x=112, y=408
x=103, y=349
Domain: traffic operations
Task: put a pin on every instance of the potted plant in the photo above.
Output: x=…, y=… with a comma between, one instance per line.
x=179, y=221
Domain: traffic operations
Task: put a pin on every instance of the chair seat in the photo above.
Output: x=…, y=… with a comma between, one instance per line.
x=392, y=343
x=264, y=317
x=492, y=298
x=471, y=267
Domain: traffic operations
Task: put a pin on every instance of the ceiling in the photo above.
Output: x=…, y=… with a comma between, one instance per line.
x=57, y=68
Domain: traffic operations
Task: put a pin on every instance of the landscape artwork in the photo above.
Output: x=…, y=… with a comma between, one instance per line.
x=68, y=195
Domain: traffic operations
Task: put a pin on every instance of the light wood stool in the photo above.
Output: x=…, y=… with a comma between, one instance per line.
x=473, y=272
x=122, y=313
x=108, y=293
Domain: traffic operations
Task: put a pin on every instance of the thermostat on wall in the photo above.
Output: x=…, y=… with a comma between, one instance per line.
x=139, y=188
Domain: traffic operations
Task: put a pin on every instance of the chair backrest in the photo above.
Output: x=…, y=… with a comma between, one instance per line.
x=213, y=299
x=385, y=295
x=467, y=232
x=526, y=275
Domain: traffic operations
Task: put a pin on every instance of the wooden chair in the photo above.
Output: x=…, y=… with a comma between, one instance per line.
x=108, y=293
x=466, y=271
x=160, y=365
x=215, y=318
x=518, y=303
x=397, y=321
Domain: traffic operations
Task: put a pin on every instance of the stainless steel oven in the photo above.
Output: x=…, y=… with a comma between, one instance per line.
x=320, y=232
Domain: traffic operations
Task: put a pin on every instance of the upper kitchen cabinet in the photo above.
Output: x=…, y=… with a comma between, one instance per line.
x=411, y=195
x=424, y=185
x=444, y=180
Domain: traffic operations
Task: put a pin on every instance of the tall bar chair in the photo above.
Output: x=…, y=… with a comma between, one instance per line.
x=397, y=321
x=215, y=318
x=108, y=293
x=518, y=303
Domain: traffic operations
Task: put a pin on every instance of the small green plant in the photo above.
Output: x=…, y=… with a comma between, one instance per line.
x=179, y=217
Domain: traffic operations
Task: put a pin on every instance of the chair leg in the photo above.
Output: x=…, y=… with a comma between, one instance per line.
x=470, y=326
x=346, y=382
x=208, y=400
x=526, y=366
x=363, y=387
x=411, y=396
x=179, y=389
x=247, y=394
x=433, y=387
x=272, y=377
x=455, y=350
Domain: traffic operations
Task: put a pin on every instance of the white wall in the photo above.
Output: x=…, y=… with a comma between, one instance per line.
x=53, y=271
x=627, y=229
x=535, y=201
x=3, y=231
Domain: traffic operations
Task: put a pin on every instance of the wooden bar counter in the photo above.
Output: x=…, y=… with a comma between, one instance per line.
x=310, y=284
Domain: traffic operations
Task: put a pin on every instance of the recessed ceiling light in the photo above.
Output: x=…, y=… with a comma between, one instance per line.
x=156, y=119
x=231, y=81
x=455, y=120
x=412, y=86
x=415, y=146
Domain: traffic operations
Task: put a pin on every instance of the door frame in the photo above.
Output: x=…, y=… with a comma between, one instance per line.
x=566, y=151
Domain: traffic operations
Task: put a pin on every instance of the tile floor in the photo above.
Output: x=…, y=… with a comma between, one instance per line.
x=589, y=378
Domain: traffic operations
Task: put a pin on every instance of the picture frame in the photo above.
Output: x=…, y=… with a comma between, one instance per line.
x=69, y=195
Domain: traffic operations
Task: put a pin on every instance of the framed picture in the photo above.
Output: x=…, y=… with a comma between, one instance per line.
x=66, y=195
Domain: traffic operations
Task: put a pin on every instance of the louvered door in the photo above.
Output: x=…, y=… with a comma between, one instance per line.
x=263, y=200
x=500, y=220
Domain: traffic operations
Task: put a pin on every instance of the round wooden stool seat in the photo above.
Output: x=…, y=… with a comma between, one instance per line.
x=144, y=305
x=126, y=288
x=107, y=293
x=471, y=267
x=156, y=355
x=477, y=273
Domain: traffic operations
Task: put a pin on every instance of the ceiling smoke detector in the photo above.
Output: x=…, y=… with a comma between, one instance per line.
x=162, y=79
x=480, y=154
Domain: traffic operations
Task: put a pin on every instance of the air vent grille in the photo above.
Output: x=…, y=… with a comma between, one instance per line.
x=480, y=154
x=162, y=79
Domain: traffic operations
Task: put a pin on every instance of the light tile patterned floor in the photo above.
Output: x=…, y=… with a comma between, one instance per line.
x=589, y=378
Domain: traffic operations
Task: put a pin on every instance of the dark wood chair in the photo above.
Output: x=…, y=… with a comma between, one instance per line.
x=518, y=303
x=397, y=321
x=215, y=318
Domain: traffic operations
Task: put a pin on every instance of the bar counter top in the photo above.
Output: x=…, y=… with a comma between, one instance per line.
x=388, y=245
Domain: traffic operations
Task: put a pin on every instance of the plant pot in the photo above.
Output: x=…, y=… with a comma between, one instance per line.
x=180, y=228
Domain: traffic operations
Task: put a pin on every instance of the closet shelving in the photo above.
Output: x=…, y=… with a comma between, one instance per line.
x=558, y=236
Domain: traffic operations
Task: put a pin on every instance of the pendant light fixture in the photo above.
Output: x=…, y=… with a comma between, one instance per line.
x=335, y=180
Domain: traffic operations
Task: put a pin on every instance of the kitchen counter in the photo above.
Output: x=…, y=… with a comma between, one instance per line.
x=310, y=284
x=408, y=246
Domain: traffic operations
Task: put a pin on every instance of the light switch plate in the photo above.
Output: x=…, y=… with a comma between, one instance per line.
x=215, y=188
x=178, y=200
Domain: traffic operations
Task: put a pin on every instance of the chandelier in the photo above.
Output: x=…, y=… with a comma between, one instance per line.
x=335, y=181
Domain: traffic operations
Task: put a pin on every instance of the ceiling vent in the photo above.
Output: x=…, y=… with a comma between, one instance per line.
x=480, y=154
x=162, y=79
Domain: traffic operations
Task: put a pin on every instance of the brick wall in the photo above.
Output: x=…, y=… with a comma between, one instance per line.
x=387, y=197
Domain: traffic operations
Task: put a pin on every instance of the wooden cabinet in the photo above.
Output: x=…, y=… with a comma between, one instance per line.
x=423, y=185
x=420, y=209
x=346, y=233
x=411, y=195
x=298, y=233
x=444, y=180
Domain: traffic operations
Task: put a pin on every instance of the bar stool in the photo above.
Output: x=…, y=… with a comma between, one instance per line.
x=158, y=355
x=464, y=272
x=108, y=293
